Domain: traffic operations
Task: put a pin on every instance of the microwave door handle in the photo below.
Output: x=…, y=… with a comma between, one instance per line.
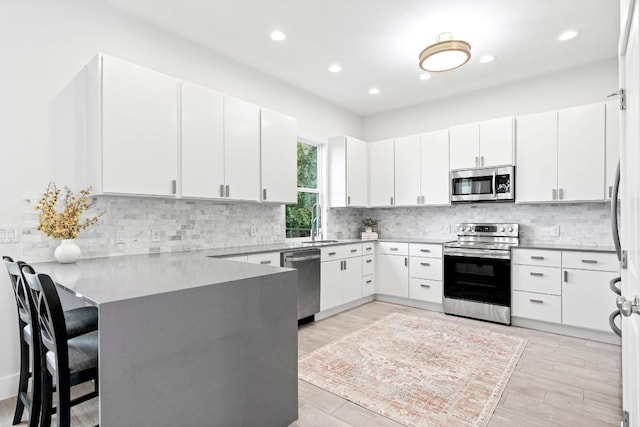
x=614, y=214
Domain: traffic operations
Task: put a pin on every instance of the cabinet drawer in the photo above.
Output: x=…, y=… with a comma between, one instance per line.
x=391, y=248
x=368, y=248
x=601, y=261
x=425, y=250
x=368, y=285
x=368, y=265
x=340, y=252
x=530, y=305
x=269, y=258
x=425, y=290
x=425, y=268
x=545, y=280
x=543, y=257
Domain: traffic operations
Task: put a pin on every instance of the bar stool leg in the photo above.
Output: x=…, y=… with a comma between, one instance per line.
x=23, y=383
x=47, y=398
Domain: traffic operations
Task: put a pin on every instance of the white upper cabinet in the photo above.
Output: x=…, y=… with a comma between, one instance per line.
x=496, y=142
x=407, y=171
x=581, y=153
x=434, y=176
x=133, y=129
x=612, y=137
x=537, y=158
x=465, y=146
x=279, y=140
x=202, y=143
x=381, y=181
x=241, y=149
x=488, y=143
x=348, y=172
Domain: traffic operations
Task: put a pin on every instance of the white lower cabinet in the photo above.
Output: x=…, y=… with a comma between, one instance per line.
x=368, y=285
x=532, y=305
x=425, y=290
x=393, y=275
x=587, y=300
x=368, y=268
x=340, y=278
x=425, y=271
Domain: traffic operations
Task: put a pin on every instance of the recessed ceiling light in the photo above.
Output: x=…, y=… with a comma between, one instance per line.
x=568, y=35
x=277, y=36
x=335, y=68
x=487, y=58
x=425, y=76
x=374, y=91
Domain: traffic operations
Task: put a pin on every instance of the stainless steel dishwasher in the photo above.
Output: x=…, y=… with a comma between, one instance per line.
x=307, y=262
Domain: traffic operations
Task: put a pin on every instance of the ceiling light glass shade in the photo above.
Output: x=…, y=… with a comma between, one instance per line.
x=445, y=55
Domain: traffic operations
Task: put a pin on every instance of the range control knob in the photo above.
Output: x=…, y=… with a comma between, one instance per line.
x=501, y=229
x=510, y=229
x=468, y=229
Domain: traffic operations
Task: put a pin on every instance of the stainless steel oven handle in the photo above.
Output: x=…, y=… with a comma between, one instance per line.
x=302, y=258
x=478, y=253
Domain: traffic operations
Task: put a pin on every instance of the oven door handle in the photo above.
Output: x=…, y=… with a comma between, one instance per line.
x=479, y=253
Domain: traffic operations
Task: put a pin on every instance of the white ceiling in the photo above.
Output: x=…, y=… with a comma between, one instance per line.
x=377, y=42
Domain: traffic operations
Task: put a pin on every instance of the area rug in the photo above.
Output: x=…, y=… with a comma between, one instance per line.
x=418, y=371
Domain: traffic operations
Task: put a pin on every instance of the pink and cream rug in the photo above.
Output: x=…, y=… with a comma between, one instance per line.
x=418, y=371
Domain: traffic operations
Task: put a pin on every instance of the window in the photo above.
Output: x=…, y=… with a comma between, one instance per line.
x=298, y=217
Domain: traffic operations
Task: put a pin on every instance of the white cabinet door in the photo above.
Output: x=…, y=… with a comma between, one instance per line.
x=587, y=300
x=496, y=142
x=381, y=179
x=330, y=284
x=465, y=146
x=357, y=172
x=434, y=168
x=393, y=275
x=241, y=149
x=139, y=130
x=581, y=153
x=352, y=280
x=407, y=171
x=202, y=142
x=536, y=152
x=612, y=142
x=279, y=159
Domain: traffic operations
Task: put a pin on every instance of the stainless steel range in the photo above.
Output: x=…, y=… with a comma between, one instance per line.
x=477, y=272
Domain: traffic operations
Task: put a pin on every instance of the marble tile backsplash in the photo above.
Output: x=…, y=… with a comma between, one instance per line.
x=579, y=223
x=183, y=225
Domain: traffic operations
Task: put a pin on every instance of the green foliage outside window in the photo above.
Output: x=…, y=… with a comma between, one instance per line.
x=298, y=217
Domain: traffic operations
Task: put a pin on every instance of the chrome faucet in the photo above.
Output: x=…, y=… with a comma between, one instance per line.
x=315, y=221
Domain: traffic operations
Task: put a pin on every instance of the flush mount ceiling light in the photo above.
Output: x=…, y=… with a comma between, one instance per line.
x=277, y=36
x=446, y=54
x=568, y=35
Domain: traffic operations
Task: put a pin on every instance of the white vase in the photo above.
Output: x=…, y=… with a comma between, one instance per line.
x=368, y=229
x=67, y=252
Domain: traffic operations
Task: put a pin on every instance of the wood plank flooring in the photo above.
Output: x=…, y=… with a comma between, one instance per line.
x=559, y=381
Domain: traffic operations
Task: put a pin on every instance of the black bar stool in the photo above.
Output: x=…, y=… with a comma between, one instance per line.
x=78, y=321
x=71, y=361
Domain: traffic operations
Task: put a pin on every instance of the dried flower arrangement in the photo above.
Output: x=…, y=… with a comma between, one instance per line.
x=66, y=224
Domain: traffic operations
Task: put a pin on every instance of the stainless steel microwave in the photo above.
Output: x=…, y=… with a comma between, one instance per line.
x=495, y=184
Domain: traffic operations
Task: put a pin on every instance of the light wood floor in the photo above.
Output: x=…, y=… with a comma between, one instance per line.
x=559, y=381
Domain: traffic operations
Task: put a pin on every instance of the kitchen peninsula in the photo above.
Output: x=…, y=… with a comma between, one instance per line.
x=186, y=339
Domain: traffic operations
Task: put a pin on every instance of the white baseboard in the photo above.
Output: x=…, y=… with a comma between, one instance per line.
x=344, y=307
x=432, y=306
x=9, y=386
x=572, y=331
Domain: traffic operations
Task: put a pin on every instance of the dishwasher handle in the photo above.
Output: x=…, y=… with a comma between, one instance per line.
x=302, y=258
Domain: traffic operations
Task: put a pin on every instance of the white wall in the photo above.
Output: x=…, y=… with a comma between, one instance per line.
x=45, y=45
x=577, y=86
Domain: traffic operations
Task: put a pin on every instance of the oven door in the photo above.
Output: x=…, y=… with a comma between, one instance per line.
x=477, y=279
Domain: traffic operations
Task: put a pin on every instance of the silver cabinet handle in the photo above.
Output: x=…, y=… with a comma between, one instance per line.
x=221, y=190
x=481, y=160
x=174, y=186
x=227, y=191
x=266, y=262
x=405, y=261
x=426, y=264
x=264, y=194
x=369, y=260
x=590, y=261
x=554, y=193
x=610, y=190
x=341, y=265
x=537, y=257
x=367, y=249
x=536, y=274
x=425, y=250
x=368, y=281
x=348, y=200
x=476, y=161
x=391, y=201
x=332, y=253
x=560, y=195
x=537, y=301
x=422, y=285
x=566, y=276
x=393, y=249
x=354, y=251
x=422, y=199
